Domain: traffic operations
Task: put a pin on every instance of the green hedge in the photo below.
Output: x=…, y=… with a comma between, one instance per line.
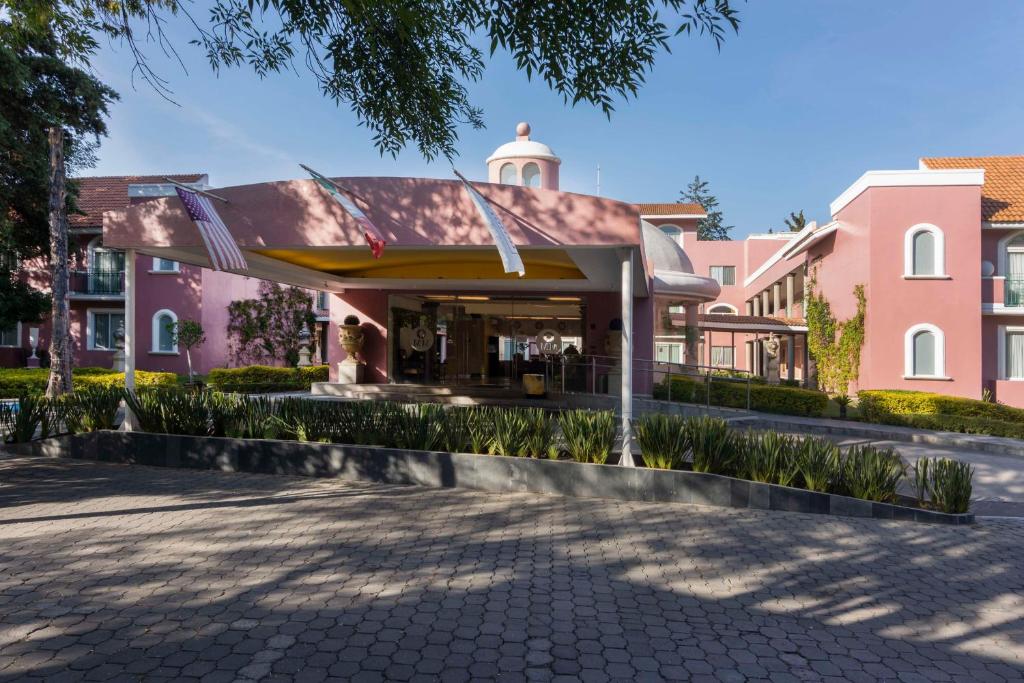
x=876, y=404
x=764, y=397
x=956, y=423
x=256, y=379
x=16, y=382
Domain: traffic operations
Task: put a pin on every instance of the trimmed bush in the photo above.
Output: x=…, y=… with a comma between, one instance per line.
x=262, y=379
x=766, y=398
x=955, y=423
x=16, y=382
x=875, y=404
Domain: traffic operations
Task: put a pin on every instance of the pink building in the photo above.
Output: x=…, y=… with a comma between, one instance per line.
x=938, y=250
x=168, y=290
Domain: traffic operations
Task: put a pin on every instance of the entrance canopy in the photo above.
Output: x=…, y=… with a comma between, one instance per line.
x=294, y=232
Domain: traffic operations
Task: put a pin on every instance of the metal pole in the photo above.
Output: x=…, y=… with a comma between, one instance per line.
x=748, y=392
x=563, y=374
x=707, y=392
x=593, y=374
x=626, y=460
x=670, y=381
x=130, y=339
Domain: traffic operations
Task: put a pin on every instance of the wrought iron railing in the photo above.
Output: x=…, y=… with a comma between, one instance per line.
x=1013, y=292
x=102, y=282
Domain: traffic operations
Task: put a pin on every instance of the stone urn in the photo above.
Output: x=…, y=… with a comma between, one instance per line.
x=350, y=334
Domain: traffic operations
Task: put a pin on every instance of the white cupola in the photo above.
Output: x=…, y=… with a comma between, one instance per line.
x=524, y=162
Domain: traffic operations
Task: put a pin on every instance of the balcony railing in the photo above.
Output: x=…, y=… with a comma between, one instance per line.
x=1013, y=292
x=97, y=282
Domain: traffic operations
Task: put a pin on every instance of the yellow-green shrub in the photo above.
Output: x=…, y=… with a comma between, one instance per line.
x=15, y=382
x=876, y=403
x=265, y=378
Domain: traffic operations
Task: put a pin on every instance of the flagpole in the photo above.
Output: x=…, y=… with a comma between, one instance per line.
x=192, y=189
x=336, y=186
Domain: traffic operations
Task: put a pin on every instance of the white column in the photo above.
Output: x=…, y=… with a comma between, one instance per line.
x=765, y=310
x=776, y=298
x=790, y=293
x=130, y=339
x=791, y=357
x=627, y=359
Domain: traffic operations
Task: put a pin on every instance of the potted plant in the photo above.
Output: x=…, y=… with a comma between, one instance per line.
x=350, y=334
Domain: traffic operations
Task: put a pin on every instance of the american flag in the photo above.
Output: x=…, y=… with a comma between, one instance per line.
x=220, y=245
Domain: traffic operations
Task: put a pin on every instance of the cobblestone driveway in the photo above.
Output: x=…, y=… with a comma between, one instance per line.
x=145, y=574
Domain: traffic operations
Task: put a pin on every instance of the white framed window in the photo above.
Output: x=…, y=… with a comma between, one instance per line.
x=673, y=231
x=531, y=175
x=102, y=326
x=668, y=352
x=163, y=265
x=11, y=336
x=507, y=174
x=924, y=352
x=723, y=275
x=924, y=252
x=1011, y=353
x=723, y=308
x=321, y=301
x=164, y=323
x=723, y=356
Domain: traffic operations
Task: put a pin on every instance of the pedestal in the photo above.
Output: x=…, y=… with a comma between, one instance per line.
x=32, y=362
x=350, y=373
x=118, y=365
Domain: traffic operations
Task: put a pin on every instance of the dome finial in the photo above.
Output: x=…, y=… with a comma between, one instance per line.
x=522, y=131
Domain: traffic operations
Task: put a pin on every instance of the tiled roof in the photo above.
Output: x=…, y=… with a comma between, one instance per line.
x=671, y=210
x=97, y=194
x=1002, y=196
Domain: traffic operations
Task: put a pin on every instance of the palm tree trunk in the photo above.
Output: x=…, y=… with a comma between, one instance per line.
x=60, y=342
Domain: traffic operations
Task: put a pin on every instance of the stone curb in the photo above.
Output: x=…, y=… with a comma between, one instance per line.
x=481, y=472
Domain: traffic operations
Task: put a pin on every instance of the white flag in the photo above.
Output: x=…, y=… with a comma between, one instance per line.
x=509, y=254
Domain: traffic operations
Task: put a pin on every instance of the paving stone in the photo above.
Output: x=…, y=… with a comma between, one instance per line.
x=126, y=573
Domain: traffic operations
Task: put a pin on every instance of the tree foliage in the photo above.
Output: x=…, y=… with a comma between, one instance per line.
x=713, y=226
x=266, y=329
x=37, y=90
x=404, y=66
x=796, y=221
x=835, y=346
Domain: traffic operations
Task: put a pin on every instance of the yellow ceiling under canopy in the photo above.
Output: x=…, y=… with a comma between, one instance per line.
x=429, y=264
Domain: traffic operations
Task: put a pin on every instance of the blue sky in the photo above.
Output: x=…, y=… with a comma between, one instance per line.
x=804, y=99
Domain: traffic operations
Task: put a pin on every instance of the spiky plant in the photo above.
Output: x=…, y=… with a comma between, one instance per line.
x=946, y=483
x=820, y=464
x=872, y=473
x=540, y=437
x=712, y=445
x=511, y=431
x=23, y=419
x=480, y=425
x=663, y=440
x=588, y=435
x=92, y=408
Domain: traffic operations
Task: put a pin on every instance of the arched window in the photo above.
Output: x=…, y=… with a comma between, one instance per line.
x=507, y=174
x=164, y=326
x=674, y=232
x=105, y=268
x=531, y=175
x=924, y=352
x=924, y=252
x=723, y=308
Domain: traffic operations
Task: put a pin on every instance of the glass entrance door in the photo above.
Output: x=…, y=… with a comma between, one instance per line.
x=479, y=340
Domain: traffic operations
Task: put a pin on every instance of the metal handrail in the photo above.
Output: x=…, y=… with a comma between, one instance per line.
x=1013, y=292
x=666, y=369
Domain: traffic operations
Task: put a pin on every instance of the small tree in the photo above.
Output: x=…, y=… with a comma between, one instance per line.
x=712, y=227
x=796, y=221
x=190, y=334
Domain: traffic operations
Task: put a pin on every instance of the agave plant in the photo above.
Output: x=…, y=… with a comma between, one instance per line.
x=540, y=434
x=712, y=445
x=820, y=464
x=947, y=484
x=663, y=440
x=254, y=417
x=511, y=431
x=480, y=425
x=92, y=408
x=23, y=419
x=172, y=411
x=872, y=473
x=589, y=435
x=453, y=430
x=771, y=458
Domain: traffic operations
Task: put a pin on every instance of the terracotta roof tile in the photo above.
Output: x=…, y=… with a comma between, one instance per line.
x=97, y=194
x=1002, y=196
x=670, y=209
